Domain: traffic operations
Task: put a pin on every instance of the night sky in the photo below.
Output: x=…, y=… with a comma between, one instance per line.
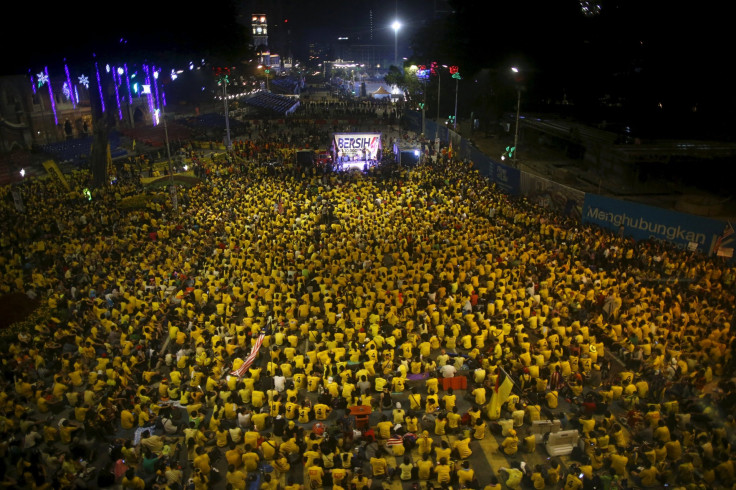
x=653, y=52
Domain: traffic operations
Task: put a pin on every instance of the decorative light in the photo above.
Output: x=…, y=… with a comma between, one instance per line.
x=68, y=86
x=117, y=94
x=173, y=75
x=66, y=91
x=22, y=172
x=147, y=91
x=33, y=85
x=127, y=80
x=42, y=78
x=99, y=87
x=155, y=86
x=76, y=94
x=186, y=167
x=120, y=70
x=191, y=65
x=107, y=68
x=51, y=93
x=83, y=80
x=156, y=116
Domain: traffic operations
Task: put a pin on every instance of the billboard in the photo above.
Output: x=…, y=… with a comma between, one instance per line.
x=642, y=222
x=354, y=147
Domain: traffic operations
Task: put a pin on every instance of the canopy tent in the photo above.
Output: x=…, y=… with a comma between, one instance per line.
x=381, y=93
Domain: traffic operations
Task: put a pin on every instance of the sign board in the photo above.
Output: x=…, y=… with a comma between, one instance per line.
x=352, y=147
x=642, y=222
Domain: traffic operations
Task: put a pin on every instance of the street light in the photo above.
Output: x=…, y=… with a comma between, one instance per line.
x=439, y=89
x=518, y=107
x=457, y=78
x=396, y=26
x=223, y=75
x=266, y=71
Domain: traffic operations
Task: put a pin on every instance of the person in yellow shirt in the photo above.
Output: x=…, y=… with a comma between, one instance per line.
x=510, y=445
x=425, y=468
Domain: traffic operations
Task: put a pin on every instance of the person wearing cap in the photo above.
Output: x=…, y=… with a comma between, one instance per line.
x=425, y=444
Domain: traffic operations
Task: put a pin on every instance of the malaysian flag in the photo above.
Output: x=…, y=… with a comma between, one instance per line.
x=251, y=357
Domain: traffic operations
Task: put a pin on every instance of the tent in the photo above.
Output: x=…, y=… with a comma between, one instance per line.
x=381, y=93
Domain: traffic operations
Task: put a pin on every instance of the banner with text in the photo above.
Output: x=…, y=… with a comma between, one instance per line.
x=642, y=222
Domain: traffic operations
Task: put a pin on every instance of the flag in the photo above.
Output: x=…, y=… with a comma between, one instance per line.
x=251, y=357
x=499, y=397
x=727, y=232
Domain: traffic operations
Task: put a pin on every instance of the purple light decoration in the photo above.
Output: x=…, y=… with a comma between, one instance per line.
x=127, y=79
x=117, y=95
x=33, y=85
x=69, y=82
x=155, y=86
x=76, y=93
x=51, y=94
x=149, y=95
x=99, y=88
x=163, y=97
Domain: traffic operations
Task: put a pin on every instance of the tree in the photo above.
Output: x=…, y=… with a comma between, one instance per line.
x=407, y=81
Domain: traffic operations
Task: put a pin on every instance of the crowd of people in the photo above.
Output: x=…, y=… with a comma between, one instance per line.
x=353, y=290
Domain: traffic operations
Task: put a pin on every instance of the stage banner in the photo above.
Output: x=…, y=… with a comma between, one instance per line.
x=642, y=222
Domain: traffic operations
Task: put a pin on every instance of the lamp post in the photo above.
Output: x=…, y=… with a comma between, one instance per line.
x=224, y=79
x=518, y=108
x=457, y=78
x=173, y=190
x=437, y=125
x=396, y=26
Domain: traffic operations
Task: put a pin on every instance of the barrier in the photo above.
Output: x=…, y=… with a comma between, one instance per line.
x=642, y=222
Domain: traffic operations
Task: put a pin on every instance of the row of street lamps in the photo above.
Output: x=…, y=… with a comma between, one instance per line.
x=456, y=75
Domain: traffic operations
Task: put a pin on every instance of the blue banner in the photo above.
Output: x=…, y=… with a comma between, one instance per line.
x=507, y=179
x=642, y=222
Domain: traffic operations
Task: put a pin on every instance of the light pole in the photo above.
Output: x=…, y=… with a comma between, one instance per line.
x=174, y=192
x=396, y=26
x=457, y=78
x=224, y=79
x=439, y=88
x=518, y=108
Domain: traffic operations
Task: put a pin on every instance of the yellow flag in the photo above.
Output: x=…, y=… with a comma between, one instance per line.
x=499, y=398
x=53, y=169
